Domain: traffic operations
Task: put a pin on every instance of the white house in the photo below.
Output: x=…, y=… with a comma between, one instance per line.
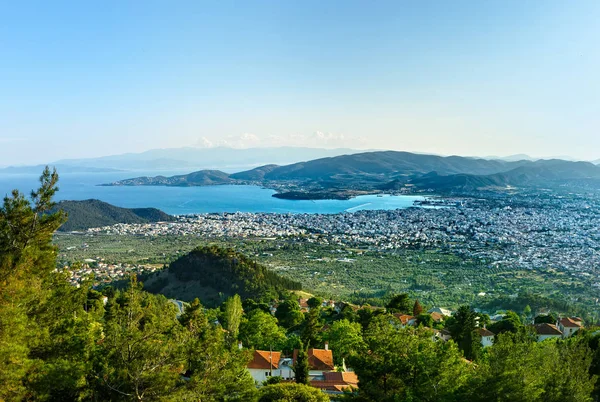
x=568, y=326
x=265, y=364
x=547, y=331
x=487, y=337
x=319, y=361
x=442, y=311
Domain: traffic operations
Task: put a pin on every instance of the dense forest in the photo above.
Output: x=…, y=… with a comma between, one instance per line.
x=59, y=342
x=95, y=213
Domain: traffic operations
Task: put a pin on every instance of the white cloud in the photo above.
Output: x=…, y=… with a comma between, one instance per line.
x=317, y=139
x=204, y=143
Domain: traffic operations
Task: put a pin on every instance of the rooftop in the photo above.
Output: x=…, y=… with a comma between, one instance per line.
x=264, y=359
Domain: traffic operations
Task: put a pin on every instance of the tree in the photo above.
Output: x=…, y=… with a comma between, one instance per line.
x=314, y=302
x=345, y=340
x=399, y=304
x=519, y=369
x=288, y=314
x=510, y=323
x=425, y=320
x=462, y=329
x=232, y=316
x=527, y=311
x=311, y=333
x=259, y=330
x=417, y=309
x=290, y=392
x=141, y=355
x=301, y=367
x=27, y=263
x=545, y=318
x=405, y=364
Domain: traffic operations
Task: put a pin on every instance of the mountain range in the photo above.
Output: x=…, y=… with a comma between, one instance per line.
x=189, y=158
x=392, y=170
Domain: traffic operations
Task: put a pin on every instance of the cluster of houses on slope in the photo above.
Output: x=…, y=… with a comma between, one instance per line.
x=323, y=374
x=564, y=328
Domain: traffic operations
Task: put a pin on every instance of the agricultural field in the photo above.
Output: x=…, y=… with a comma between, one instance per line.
x=359, y=275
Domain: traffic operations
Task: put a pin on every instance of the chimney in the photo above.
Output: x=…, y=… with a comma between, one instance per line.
x=240, y=345
x=326, y=345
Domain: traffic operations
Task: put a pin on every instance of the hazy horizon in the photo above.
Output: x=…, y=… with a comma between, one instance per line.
x=463, y=78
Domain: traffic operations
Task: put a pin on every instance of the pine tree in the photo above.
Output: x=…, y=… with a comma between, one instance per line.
x=301, y=368
x=27, y=262
x=417, y=309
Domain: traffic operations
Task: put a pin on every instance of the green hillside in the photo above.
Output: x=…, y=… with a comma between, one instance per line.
x=212, y=274
x=87, y=214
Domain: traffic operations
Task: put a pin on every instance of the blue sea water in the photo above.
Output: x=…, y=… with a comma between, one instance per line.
x=189, y=200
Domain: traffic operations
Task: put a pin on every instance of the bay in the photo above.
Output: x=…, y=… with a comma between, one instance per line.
x=190, y=200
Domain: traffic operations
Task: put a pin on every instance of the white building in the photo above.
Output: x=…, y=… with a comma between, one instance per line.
x=442, y=311
x=547, y=331
x=568, y=326
x=265, y=364
x=487, y=337
x=319, y=361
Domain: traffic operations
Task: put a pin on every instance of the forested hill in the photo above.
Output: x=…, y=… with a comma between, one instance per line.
x=95, y=213
x=212, y=274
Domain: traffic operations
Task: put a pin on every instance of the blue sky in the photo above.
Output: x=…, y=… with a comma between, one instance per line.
x=81, y=79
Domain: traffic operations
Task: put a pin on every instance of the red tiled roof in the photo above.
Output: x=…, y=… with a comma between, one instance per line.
x=318, y=359
x=485, y=332
x=404, y=318
x=547, y=329
x=346, y=377
x=261, y=359
x=569, y=323
x=337, y=382
x=437, y=317
x=303, y=303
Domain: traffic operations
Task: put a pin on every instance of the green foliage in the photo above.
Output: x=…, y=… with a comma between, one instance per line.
x=314, y=302
x=259, y=330
x=406, y=365
x=27, y=262
x=520, y=369
x=213, y=273
x=288, y=314
x=510, y=323
x=400, y=304
x=232, y=316
x=462, y=326
x=311, y=332
x=425, y=320
x=59, y=342
x=301, y=367
x=291, y=392
x=95, y=213
x=345, y=339
x=545, y=318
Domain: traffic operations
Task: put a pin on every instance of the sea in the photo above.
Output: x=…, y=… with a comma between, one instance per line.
x=194, y=200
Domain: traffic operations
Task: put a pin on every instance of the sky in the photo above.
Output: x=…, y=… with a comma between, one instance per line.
x=84, y=79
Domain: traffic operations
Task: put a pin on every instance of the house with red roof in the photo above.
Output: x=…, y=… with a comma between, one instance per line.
x=569, y=325
x=319, y=361
x=406, y=319
x=334, y=382
x=265, y=364
x=547, y=331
